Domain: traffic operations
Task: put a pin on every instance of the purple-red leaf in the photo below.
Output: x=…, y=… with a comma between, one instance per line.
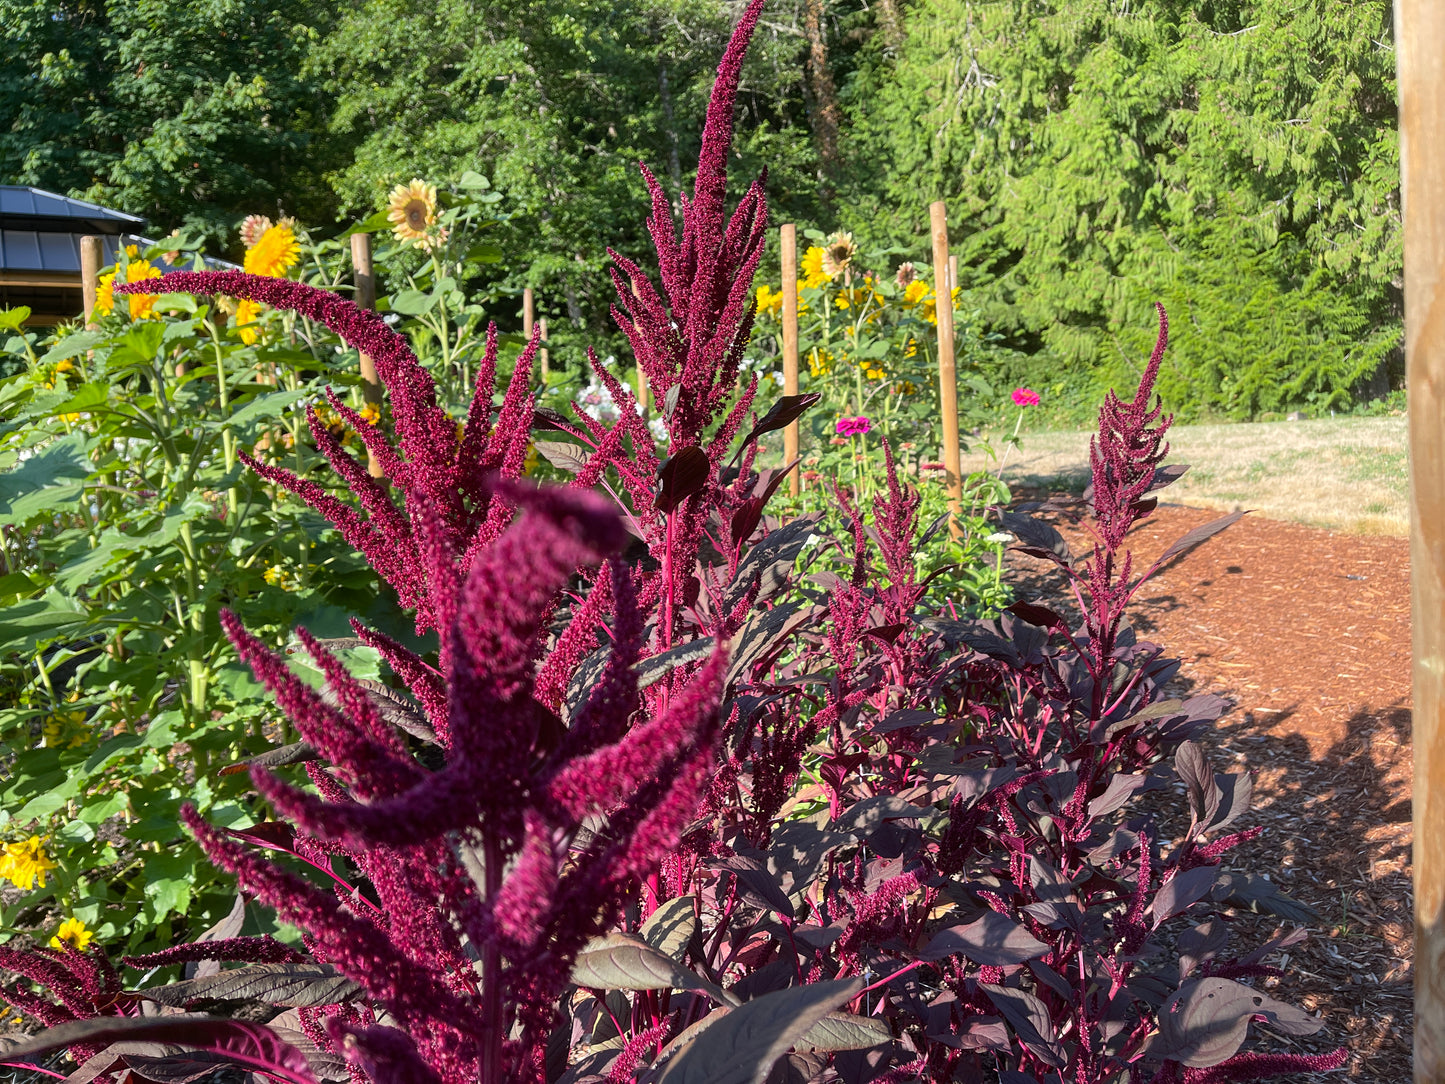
x=1205, y=1021
x=992, y=940
x=681, y=475
x=1198, y=535
x=254, y=1046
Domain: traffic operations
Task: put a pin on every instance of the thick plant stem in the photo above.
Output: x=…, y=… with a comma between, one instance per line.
x=492, y=969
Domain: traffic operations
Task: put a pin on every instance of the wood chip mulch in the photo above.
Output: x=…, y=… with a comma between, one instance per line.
x=1308, y=633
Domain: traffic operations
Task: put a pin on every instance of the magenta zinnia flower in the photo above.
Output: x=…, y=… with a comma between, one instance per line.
x=1025, y=397
x=853, y=427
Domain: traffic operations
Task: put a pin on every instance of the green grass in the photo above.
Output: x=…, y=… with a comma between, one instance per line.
x=1342, y=473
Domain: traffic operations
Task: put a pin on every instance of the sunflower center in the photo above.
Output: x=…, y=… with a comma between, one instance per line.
x=415, y=211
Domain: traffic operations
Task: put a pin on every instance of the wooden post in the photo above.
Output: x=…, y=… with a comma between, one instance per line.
x=947, y=378
x=366, y=297
x=543, y=354
x=953, y=271
x=529, y=308
x=1420, y=52
x=788, y=235
x=644, y=393
x=90, y=253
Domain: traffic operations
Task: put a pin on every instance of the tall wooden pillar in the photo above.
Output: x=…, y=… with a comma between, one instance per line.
x=1420, y=52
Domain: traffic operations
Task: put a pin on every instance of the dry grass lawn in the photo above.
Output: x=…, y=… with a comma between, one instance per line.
x=1347, y=474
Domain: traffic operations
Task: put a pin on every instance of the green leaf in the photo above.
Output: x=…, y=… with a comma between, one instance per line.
x=13, y=319
x=413, y=302
x=48, y=479
x=485, y=253
x=72, y=346
x=26, y=624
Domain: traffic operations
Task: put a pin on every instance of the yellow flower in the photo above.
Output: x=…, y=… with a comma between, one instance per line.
x=142, y=306
x=412, y=210
x=22, y=864
x=813, y=273
x=838, y=254
x=770, y=301
x=105, y=294
x=916, y=292
x=72, y=933
x=874, y=374
x=533, y=460
x=248, y=313
x=274, y=575
x=819, y=362
x=72, y=418
x=64, y=365
x=274, y=252
x=370, y=414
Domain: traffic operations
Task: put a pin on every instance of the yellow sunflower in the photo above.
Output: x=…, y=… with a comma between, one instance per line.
x=72, y=933
x=274, y=252
x=105, y=294
x=412, y=210
x=248, y=313
x=142, y=306
x=770, y=301
x=813, y=273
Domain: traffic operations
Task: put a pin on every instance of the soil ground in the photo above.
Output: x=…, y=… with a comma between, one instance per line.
x=1307, y=632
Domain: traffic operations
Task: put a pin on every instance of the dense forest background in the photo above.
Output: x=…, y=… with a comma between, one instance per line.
x=1236, y=159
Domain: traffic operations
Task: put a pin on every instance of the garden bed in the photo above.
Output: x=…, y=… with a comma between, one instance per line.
x=1308, y=632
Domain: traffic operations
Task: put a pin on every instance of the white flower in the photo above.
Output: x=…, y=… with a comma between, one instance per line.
x=999, y=537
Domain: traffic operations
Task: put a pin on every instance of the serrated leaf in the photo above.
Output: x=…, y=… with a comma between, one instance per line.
x=742, y=1046
x=991, y=940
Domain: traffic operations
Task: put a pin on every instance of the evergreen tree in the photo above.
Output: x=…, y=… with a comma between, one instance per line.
x=1098, y=155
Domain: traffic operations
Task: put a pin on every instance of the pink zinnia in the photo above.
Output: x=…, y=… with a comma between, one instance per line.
x=853, y=427
x=1026, y=397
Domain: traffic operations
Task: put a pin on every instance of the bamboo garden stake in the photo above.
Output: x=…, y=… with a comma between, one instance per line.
x=788, y=236
x=366, y=297
x=947, y=378
x=89, y=275
x=1420, y=45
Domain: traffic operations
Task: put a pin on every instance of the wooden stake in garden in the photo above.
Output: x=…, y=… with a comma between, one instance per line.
x=366, y=298
x=1420, y=49
x=543, y=355
x=529, y=308
x=947, y=378
x=788, y=236
x=90, y=256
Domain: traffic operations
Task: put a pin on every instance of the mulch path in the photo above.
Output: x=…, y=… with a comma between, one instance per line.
x=1308, y=633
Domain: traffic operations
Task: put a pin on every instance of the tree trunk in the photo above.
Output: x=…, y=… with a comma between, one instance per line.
x=826, y=114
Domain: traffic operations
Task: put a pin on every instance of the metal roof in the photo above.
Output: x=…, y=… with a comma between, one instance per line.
x=35, y=250
x=22, y=201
